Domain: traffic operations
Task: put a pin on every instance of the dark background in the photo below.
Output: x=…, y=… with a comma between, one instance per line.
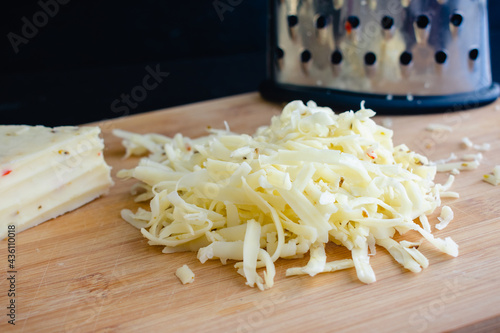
x=91, y=53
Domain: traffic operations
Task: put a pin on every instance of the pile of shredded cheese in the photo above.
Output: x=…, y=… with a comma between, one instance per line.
x=309, y=178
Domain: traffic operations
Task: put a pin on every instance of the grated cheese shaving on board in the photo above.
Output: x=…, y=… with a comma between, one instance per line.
x=185, y=274
x=461, y=166
x=309, y=178
x=494, y=178
x=467, y=143
x=472, y=157
x=482, y=147
x=452, y=157
x=445, y=217
x=469, y=162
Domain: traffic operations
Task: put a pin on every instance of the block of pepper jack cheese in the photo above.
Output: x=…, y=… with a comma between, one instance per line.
x=46, y=172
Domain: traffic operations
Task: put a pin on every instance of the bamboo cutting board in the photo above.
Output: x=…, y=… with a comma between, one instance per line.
x=89, y=271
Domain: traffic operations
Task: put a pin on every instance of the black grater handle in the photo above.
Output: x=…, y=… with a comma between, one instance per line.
x=395, y=105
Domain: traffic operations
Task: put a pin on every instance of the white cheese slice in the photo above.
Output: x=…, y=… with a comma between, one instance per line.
x=46, y=172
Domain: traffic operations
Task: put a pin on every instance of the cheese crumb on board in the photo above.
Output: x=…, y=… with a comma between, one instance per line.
x=467, y=143
x=387, y=122
x=309, y=178
x=494, y=178
x=185, y=274
x=46, y=172
x=438, y=128
x=472, y=157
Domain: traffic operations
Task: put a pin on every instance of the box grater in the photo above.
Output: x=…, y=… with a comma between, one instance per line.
x=400, y=56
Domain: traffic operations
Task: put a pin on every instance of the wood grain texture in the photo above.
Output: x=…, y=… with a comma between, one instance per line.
x=89, y=271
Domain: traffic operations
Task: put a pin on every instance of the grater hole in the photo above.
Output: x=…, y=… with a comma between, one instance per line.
x=305, y=56
x=353, y=21
x=440, y=57
x=387, y=22
x=321, y=22
x=336, y=57
x=293, y=20
x=370, y=58
x=473, y=54
x=456, y=19
x=279, y=53
x=405, y=58
x=422, y=21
